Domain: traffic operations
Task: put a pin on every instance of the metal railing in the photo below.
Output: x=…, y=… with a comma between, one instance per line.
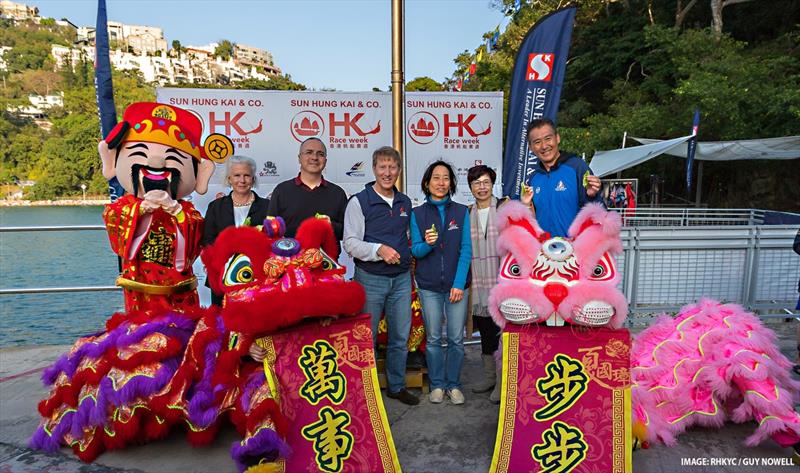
x=687, y=217
x=662, y=267
x=665, y=268
x=54, y=290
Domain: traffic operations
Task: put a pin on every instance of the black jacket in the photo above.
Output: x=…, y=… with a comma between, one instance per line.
x=219, y=216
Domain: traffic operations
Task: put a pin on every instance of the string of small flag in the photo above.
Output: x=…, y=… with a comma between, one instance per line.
x=489, y=46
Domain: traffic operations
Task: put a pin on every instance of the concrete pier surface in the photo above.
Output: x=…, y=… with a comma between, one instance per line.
x=428, y=437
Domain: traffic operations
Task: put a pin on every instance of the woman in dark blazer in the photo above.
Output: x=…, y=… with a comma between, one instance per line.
x=241, y=207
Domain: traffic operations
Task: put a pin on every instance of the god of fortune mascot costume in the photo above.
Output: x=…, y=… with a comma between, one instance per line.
x=158, y=157
x=569, y=372
x=103, y=389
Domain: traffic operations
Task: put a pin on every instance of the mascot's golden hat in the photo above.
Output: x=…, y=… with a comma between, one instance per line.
x=168, y=125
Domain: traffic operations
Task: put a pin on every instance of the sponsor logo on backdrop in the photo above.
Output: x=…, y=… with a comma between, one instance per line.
x=356, y=170
x=269, y=169
x=423, y=127
x=540, y=67
x=463, y=131
x=235, y=126
x=347, y=130
x=307, y=124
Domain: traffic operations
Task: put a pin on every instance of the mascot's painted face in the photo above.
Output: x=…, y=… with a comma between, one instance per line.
x=157, y=147
x=142, y=167
x=271, y=282
x=558, y=280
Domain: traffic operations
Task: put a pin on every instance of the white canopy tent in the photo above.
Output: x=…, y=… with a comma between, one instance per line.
x=608, y=162
x=786, y=147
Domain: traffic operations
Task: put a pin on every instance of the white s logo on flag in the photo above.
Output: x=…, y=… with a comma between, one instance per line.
x=540, y=67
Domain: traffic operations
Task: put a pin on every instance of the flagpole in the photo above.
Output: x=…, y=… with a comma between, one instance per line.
x=104, y=87
x=398, y=83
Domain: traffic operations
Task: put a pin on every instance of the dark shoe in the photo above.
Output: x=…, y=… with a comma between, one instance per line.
x=489, y=375
x=404, y=396
x=415, y=359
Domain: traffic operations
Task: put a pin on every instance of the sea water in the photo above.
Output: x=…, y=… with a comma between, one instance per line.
x=54, y=259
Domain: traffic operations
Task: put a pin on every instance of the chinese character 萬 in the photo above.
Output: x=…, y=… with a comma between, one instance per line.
x=323, y=378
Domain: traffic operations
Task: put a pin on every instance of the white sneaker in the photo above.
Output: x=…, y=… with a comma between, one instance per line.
x=456, y=396
x=437, y=396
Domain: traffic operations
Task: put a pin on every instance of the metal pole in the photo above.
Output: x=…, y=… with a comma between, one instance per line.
x=624, y=139
x=398, y=83
x=699, y=183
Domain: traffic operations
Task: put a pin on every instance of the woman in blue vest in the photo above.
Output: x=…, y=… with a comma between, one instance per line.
x=440, y=241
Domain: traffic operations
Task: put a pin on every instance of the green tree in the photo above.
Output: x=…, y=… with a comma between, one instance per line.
x=274, y=83
x=224, y=49
x=424, y=84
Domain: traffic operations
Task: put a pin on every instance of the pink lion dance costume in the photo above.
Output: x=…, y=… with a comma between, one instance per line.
x=710, y=363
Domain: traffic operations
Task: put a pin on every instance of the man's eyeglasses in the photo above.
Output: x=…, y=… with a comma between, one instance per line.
x=482, y=183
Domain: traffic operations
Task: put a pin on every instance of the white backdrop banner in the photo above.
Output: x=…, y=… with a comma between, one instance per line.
x=463, y=129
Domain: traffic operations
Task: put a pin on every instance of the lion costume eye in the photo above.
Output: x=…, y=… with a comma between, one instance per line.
x=328, y=263
x=604, y=270
x=238, y=270
x=510, y=268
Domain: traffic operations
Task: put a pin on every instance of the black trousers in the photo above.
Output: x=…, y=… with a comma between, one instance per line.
x=490, y=334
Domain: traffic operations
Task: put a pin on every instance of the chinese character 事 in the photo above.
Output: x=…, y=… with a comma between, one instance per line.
x=331, y=442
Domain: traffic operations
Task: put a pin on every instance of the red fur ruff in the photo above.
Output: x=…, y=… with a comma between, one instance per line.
x=284, y=309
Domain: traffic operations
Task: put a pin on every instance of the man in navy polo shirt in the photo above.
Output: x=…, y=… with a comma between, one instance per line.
x=561, y=183
x=376, y=236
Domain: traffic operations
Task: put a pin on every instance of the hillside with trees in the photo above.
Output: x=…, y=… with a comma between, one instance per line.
x=635, y=66
x=63, y=157
x=642, y=66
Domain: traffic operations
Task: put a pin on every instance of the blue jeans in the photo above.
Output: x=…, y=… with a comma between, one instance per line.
x=390, y=295
x=444, y=369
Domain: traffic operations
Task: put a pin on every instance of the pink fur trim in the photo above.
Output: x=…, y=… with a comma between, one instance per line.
x=514, y=210
x=521, y=245
x=712, y=351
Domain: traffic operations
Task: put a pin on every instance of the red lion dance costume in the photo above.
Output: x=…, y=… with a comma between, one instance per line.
x=313, y=404
x=710, y=363
x=145, y=374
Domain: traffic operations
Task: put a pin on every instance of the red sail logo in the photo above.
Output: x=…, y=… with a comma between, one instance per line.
x=423, y=128
x=307, y=124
